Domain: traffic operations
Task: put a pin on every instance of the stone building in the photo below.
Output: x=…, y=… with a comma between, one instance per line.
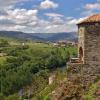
x=84, y=70
x=89, y=40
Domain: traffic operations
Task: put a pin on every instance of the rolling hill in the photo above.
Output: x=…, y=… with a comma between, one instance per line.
x=71, y=36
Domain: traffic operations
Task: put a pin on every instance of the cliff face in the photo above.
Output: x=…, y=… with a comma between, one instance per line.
x=79, y=79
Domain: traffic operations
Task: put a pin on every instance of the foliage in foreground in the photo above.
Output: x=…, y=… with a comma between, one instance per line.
x=30, y=65
x=92, y=91
x=45, y=93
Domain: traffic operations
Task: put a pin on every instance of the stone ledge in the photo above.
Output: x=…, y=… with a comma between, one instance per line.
x=74, y=66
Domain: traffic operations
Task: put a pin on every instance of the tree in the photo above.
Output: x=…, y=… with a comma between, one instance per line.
x=3, y=43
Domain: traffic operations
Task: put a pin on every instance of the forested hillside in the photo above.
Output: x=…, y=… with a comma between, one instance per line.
x=27, y=65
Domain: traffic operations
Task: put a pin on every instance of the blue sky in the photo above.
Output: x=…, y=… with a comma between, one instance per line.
x=45, y=16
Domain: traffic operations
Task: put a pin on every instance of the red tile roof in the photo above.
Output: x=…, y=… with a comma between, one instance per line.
x=91, y=19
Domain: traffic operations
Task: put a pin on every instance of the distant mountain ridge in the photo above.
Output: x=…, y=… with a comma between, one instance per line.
x=19, y=35
x=70, y=36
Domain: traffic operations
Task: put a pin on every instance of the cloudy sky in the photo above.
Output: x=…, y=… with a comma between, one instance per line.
x=45, y=15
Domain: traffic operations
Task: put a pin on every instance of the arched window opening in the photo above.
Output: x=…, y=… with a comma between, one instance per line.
x=81, y=53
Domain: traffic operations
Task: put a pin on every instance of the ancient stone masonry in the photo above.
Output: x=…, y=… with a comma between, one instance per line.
x=89, y=40
x=89, y=44
x=88, y=49
x=82, y=74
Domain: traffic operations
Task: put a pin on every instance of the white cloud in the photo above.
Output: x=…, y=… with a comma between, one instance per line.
x=94, y=6
x=61, y=28
x=48, y=4
x=22, y=16
x=73, y=21
x=67, y=25
x=87, y=12
x=28, y=21
x=8, y=4
x=3, y=17
x=58, y=20
x=53, y=15
x=69, y=18
x=18, y=19
x=55, y=18
x=91, y=8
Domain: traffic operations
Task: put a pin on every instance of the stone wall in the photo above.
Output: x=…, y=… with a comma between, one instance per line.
x=88, y=74
x=90, y=41
x=79, y=79
x=81, y=76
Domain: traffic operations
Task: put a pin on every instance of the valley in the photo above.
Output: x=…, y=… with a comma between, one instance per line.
x=27, y=65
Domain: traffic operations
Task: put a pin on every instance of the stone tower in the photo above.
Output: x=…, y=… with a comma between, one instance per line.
x=89, y=40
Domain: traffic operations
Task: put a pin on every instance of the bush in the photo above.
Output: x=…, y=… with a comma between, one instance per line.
x=2, y=96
